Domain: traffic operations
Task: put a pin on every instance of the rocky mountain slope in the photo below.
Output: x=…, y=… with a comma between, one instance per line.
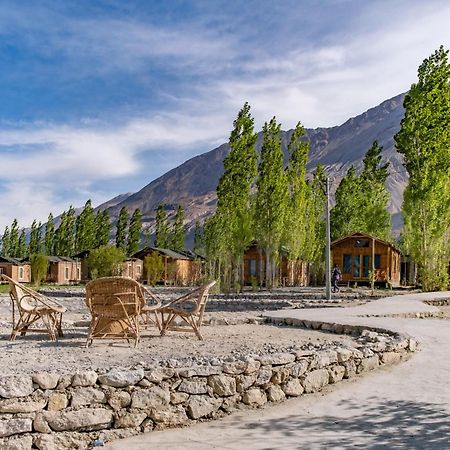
x=193, y=183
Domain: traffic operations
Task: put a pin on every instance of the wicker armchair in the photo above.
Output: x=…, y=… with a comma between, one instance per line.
x=115, y=304
x=189, y=308
x=33, y=308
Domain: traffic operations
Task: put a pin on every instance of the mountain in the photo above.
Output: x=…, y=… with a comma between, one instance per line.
x=193, y=183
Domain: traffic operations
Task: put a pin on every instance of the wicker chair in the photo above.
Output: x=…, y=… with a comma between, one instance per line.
x=33, y=308
x=115, y=304
x=189, y=308
x=149, y=312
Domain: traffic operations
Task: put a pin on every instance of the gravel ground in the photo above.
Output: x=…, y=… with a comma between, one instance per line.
x=226, y=335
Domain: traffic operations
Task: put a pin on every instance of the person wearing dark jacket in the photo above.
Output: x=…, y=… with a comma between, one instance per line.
x=335, y=277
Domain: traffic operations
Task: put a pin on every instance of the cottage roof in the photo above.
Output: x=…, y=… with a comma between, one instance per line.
x=141, y=254
x=364, y=235
x=58, y=259
x=14, y=261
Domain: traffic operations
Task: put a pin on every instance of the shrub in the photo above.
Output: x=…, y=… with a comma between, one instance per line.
x=39, y=267
x=154, y=267
x=105, y=261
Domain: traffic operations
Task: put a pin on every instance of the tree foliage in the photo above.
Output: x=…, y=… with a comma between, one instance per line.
x=105, y=261
x=85, y=229
x=134, y=232
x=177, y=235
x=39, y=267
x=121, y=232
x=22, y=245
x=154, y=268
x=14, y=239
x=424, y=141
x=103, y=228
x=161, y=228
x=50, y=236
x=6, y=249
x=35, y=244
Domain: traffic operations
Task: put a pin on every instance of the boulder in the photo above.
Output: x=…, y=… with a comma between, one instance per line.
x=323, y=359
x=178, y=397
x=15, y=386
x=275, y=394
x=350, y=368
x=280, y=375
x=46, y=380
x=390, y=357
x=344, y=354
x=154, y=397
x=159, y=374
x=202, y=406
x=18, y=443
x=40, y=424
x=86, y=419
x=62, y=441
x=57, y=401
x=252, y=365
x=367, y=364
x=15, y=426
x=293, y=388
x=14, y=407
x=336, y=373
x=222, y=385
x=234, y=367
x=243, y=382
x=299, y=368
x=129, y=419
x=170, y=416
x=119, y=399
x=276, y=359
x=84, y=379
x=122, y=377
x=254, y=397
x=314, y=381
x=193, y=387
x=87, y=396
x=264, y=375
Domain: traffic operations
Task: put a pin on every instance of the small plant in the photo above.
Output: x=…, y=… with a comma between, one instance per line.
x=154, y=268
x=105, y=261
x=254, y=283
x=39, y=267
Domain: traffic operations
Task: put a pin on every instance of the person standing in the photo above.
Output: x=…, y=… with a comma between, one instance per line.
x=335, y=277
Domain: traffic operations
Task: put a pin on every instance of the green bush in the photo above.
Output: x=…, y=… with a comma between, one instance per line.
x=105, y=261
x=154, y=267
x=39, y=267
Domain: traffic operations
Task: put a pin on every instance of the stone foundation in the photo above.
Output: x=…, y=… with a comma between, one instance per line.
x=51, y=412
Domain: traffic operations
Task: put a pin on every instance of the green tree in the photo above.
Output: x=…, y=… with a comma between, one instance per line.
x=424, y=142
x=39, y=267
x=103, y=228
x=154, y=268
x=272, y=197
x=5, y=242
x=177, y=235
x=50, y=236
x=162, y=237
x=35, y=238
x=85, y=230
x=198, y=239
x=14, y=239
x=65, y=235
x=105, y=261
x=121, y=232
x=22, y=245
x=134, y=232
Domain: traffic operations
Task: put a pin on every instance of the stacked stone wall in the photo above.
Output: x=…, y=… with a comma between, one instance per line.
x=48, y=411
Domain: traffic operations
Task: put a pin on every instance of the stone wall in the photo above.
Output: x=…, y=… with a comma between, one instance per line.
x=51, y=411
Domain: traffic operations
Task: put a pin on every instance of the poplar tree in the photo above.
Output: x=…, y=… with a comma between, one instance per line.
x=233, y=219
x=272, y=197
x=5, y=242
x=22, y=245
x=134, y=232
x=121, y=232
x=296, y=214
x=161, y=228
x=178, y=232
x=35, y=245
x=85, y=234
x=102, y=228
x=198, y=239
x=49, y=239
x=14, y=239
x=424, y=141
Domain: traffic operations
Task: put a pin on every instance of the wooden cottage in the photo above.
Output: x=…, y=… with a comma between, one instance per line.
x=288, y=272
x=358, y=253
x=180, y=268
x=63, y=270
x=18, y=270
x=133, y=268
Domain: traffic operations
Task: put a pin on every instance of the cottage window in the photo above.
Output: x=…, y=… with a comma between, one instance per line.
x=2, y=270
x=347, y=264
x=253, y=267
x=78, y=273
x=138, y=269
x=66, y=273
x=20, y=273
x=362, y=243
x=377, y=261
x=356, y=264
x=366, y=265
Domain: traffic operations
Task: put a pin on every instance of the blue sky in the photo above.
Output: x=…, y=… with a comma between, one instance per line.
x=100, y=97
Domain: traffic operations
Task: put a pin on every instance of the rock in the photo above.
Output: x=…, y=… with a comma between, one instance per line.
x=276, y=359
x=230, y=403
x=202, y=406
x=129, y=419
x=264, y=375
x=15, y=386
x=222, y=385
x=19, y=443
x=154, y=397
x=254, y=397
x=336, y=373
x=46, y=380
x=15, y=426
x=293, y=388
x=62, y=441
x=370, y=336
x=57, y=401
x=193, y=387
x=119, y=399
x=323, y=359
x=350, y=368
x=314, y=381
x=299, y=368
x=159, y=374
x=178, y=397
x=243, y=382
x=280, y=375
x=368, y=364
x=390, y=357
x=170, y=416
x=144, y=383
x=344, y=354
x=252, y=365
x=276, y=394
x=234, y=367
x=84, y=379
x=206, y=371
x=86, y=419
x=87, y=396
x=40, y=424
x=412, y=345
x=64, y=382
x=122, y=377
x=12, y=406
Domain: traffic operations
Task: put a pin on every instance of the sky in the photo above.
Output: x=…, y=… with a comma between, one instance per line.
x=100, y=97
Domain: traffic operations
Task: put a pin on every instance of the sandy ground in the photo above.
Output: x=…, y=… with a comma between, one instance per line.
x=35, y=353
